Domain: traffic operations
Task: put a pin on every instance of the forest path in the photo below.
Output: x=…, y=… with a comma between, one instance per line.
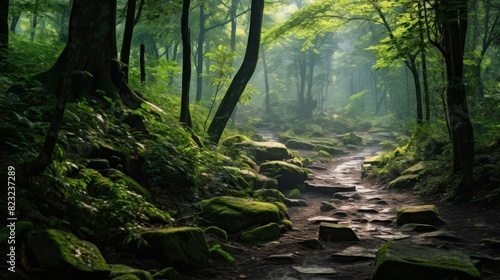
x=372, y=217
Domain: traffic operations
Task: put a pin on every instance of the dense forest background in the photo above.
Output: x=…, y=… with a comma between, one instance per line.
x=149, y=90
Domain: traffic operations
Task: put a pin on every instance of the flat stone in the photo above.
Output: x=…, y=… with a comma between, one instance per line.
x=314, y=270
x=295, y=202
x=340, y=214
x=381, y=221
x=331, y=232
x=325, y=207
x=390, y=237
x=347, y=195
x=354, y=253
x=312, y=243
x=329, y=189
x=402, y=260
x=290, y=257
x=417, y=228
x=422, y=214
x=382, y=202
x=443, y=235
x=367, y=210
x=320, y=219
x=360, y=220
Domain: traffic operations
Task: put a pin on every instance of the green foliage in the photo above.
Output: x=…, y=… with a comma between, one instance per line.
x=217, y=251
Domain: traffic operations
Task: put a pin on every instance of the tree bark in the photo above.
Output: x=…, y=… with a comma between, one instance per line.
x=243, y=75
x=128, y=32
x=186, y=64
x=199, y=54
x=95, y=42
x=266, y=82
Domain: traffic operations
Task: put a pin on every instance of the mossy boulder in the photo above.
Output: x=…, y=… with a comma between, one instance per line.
x=401, y=260
x=352, y=139
x=339, y=124
x=377, y=160
x=331, y=232
x=235, y=139
x=421, y=214
x=299, y=144
x=61, y=255
x=216, y=231
x=268, y=195
x=404, y=182
x=294, y=194
x=234, y=214
x=183, y=248
x=332, y=150
x=121, y=270
x=267, y=232
x=288, y=175
x=119, y=177
x=264, y=151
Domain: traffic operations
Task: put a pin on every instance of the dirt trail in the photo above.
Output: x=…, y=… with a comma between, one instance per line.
x=372, y=217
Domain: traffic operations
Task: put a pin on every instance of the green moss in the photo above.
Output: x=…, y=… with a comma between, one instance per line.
x=126, y=277
x=234, y=214
x=216, y=231
x=267, y=232
x=288, y=175
x=404, y=182
x=287, y=223
x=131, y=184
x=352, y=138
x=64, y=254
x=230, y=141
x=324, y=154
x=268, y=195
x=118, y=270
x=180, y=247
x=294, y=194
x=397, y=260
x=329, y=149
x=217, y=252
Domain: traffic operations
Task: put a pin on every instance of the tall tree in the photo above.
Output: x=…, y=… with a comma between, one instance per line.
x=95, y=41
x=130, y=21
x=449, y=30
x=243, y=75
x=186, y=64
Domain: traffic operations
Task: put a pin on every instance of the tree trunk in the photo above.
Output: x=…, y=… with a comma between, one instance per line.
x=95, y=45
x=127, y=37
x=266, y=82
x=142, y=64
x=424, y=65
x=418, y=89
x=4, y=33
x=453, y=15
x=243, y=75
x=199, y=54
x=186, y=64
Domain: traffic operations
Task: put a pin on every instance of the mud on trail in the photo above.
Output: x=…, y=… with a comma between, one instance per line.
x=372, y=217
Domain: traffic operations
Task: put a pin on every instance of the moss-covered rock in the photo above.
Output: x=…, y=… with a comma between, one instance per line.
x=332, y=150
x=404, y=182
x=216, y=231
x=352, y=138
x=377, y=160
x=417, y=169
x=267, y=232
x=324, y=155
x=235, y=139
x=294, y=194
x=126, y=277
x=61, y=255
x=264, y=151
x=121, y=270
x=400, y=260
x=421, y=214
x=235, y=214
x=182, y=248
x=268, y=195
x=218, y=253
x=299, y=144
x=119, y=177
x=288, y=175
x=331, y=232
x=339, y=124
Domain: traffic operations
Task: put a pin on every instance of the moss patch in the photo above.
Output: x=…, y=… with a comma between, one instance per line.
x=421, y=214
x=288, y=175
x=63, y=255
x=183, y=248
x=294, y=194
x=404, y=182
x=267, y=232
x=235, y=214
x=399, y=260
x=216, y=232
x=118, y=270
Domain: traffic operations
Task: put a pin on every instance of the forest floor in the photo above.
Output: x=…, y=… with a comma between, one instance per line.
x=372, y=217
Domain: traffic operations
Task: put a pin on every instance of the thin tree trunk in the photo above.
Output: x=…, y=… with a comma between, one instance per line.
x=243, y=75
x=186, y=64
x=199, y=54
x=142, y=64
x=266, y=82
x=4, y=33
x=418, y=90
x=127, y=37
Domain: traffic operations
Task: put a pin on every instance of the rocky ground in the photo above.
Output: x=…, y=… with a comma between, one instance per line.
x=371, y=214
